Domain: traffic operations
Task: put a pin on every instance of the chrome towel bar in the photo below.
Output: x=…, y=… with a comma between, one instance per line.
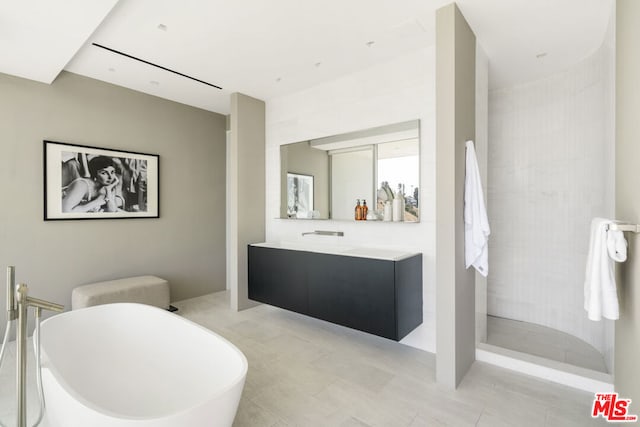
x=634, y=228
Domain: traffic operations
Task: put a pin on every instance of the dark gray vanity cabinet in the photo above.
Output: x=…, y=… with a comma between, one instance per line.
x=277, y=281
x=378, y=296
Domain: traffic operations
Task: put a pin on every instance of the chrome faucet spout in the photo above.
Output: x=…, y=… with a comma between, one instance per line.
x=22, y=302
x=325, y=233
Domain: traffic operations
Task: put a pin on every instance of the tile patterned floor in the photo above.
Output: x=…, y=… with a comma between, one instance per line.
x=544, y=342
x=306, y=372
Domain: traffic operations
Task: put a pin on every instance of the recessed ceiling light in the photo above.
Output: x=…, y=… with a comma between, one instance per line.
x=155, y=82
x=541, y=55
x=162, y=27
x=370, y=43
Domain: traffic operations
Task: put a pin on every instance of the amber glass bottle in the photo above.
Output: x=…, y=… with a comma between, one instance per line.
x=358, y=212
x=365, y=210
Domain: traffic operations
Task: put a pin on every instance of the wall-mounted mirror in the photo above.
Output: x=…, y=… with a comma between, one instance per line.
x=323, y=178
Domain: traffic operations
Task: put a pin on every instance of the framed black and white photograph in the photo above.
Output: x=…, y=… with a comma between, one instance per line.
x=83, y=182
x=299, y=195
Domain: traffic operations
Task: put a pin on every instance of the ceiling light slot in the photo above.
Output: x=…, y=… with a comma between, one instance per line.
x=154, y=65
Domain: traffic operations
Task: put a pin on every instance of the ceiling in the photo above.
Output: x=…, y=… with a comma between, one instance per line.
x=270, y=48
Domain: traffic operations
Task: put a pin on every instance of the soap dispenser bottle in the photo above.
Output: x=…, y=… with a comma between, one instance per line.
x=388, y=212
x=398, y=214
x=365, y=210
x=358, y=213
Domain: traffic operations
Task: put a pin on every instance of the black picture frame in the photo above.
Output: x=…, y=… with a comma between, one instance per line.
x=87, y=182
x=300, y=189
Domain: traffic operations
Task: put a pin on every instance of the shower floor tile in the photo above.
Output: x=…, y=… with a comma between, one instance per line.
x=544, y=342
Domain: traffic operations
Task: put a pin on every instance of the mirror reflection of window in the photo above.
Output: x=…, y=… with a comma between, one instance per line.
x=351, y=174
x=398, y=170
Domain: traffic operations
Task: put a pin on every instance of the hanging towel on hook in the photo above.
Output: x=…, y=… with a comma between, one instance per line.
x=600, y=293
x=476, y=223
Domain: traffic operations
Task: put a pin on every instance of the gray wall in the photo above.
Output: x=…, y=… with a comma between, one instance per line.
x=482, y=149
x=455, y=124
x=627, y=343
x=246, y=190
x=185, y=245
x=301, y=158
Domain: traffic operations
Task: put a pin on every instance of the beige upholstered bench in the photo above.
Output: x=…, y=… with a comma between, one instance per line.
x=149, y=290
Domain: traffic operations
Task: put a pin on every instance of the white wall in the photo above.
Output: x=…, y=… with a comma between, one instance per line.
x=551, y=170
x=397, y=91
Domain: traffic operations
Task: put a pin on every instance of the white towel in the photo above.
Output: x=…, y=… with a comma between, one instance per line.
x=476, y=223
x=605, y=246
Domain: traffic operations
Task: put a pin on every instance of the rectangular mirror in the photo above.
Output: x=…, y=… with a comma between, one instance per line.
x=324, y=178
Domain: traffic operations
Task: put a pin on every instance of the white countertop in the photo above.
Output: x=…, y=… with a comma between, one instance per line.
x=374, y=253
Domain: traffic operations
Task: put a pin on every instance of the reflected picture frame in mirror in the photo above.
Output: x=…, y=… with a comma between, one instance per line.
x=299, y=195
x=380, y=165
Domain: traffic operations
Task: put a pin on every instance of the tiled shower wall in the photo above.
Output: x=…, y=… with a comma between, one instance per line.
x=550, y=171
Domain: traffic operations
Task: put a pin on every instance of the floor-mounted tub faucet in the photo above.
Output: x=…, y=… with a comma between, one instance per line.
x=18, y=300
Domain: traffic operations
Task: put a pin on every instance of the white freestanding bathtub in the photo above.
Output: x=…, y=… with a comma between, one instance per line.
x=137, y=365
